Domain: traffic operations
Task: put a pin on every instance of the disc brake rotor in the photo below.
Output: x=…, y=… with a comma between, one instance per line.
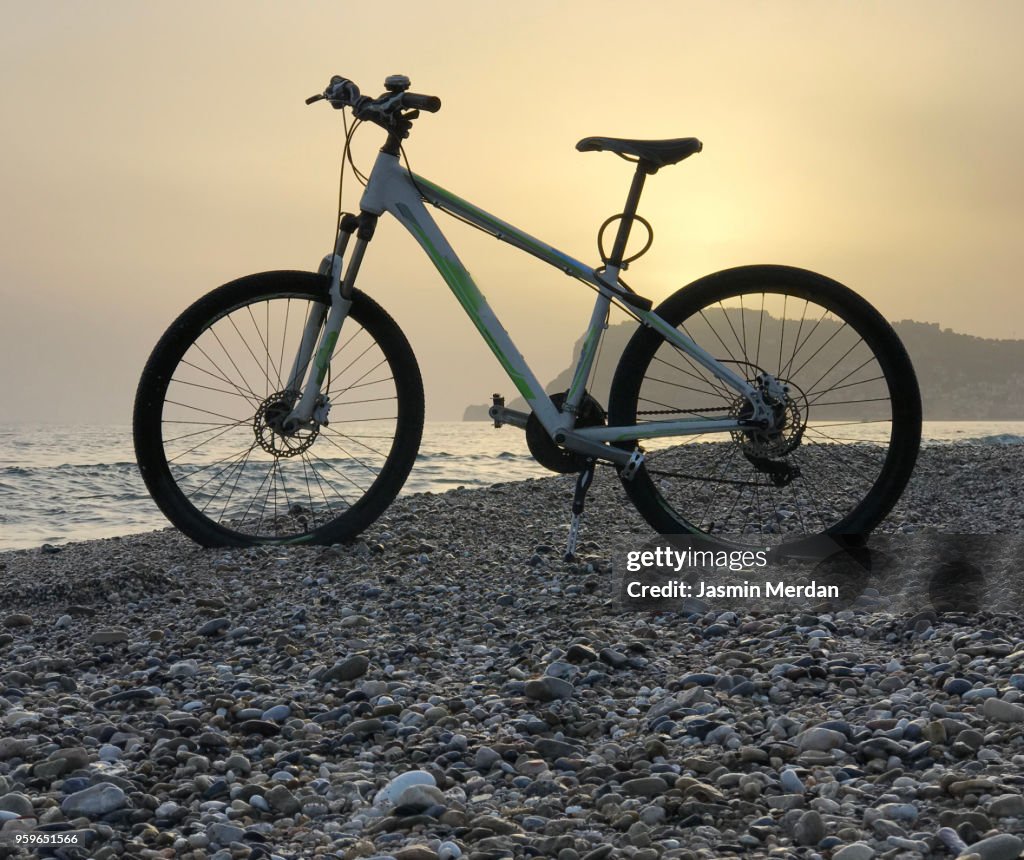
x=789, y=420
x=268, y=425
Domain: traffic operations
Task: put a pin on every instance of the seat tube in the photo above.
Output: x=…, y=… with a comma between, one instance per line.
x=598, y=323
x=628, y=213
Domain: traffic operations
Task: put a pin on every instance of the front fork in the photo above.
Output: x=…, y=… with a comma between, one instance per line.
x=321, y=336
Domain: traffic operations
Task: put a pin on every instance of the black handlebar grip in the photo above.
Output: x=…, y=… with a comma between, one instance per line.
x=341, y=92
x=431, y=104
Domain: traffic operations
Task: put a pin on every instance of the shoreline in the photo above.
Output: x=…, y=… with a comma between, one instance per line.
x=930, y=484
x=123, y=498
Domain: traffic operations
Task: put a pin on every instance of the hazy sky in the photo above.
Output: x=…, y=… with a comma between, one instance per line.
x=153, y=151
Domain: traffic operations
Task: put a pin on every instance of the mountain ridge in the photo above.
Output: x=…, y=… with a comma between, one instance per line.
x=962, y=377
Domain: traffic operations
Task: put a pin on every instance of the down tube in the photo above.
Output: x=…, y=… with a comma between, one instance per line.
x=417, y=221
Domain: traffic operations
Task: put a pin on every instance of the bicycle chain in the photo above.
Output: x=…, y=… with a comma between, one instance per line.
x=665, y=474
x=678, y=411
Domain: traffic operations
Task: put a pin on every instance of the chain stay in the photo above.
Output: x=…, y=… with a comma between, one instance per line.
x=666, y=474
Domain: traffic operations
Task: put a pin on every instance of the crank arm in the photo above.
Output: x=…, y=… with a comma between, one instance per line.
x=572, y=441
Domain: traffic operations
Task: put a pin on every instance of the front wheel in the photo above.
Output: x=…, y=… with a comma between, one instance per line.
x=846, y=431
x=210, y=438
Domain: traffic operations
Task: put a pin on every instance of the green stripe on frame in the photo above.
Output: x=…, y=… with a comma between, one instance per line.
x=469, y=297
x=545, y=252
x=323, y=358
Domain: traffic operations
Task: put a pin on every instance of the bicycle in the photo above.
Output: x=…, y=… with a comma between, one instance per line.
x=287, y=407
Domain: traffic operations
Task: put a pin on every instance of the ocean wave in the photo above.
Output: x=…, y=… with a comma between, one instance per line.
x=74, y=483
x=996, y=439
x=28, y=471
x=471, y=458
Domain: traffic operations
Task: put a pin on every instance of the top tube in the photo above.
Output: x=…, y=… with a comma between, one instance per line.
x=455, y=205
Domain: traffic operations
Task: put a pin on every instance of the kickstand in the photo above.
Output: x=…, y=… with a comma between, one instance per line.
x=583, y=481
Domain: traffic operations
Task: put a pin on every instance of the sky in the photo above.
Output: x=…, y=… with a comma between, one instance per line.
x=153, y=151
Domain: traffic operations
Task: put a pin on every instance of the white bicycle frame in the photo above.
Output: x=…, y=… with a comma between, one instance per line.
x=391, y=188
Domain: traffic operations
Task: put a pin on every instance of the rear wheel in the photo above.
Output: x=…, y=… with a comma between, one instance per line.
x=209, y=428
x=847, y=428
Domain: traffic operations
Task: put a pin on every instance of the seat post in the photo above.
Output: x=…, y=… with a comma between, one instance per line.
x=628, y=214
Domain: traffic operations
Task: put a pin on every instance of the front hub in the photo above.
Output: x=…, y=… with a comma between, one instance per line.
x=269, y=427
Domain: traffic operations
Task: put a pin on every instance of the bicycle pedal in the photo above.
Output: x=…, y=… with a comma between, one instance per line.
x=636, y=460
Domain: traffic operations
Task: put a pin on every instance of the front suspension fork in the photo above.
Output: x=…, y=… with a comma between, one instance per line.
x=324, y=335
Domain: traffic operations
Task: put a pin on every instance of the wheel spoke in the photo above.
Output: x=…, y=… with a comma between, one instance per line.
x=811, y=469
x=242, y=478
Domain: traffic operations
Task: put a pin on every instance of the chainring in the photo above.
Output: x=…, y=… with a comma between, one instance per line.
x=547, y=452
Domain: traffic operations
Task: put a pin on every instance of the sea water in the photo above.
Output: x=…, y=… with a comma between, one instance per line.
x=63, y=483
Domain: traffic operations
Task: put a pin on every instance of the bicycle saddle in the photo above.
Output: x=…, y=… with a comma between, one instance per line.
x=657, y=153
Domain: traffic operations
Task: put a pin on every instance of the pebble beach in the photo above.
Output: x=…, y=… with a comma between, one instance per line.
x=448, y=686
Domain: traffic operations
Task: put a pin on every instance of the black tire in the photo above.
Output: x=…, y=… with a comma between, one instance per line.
x=213, y=385
x=726, y=489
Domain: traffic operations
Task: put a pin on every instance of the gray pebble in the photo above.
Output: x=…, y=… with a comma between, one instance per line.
x=819, y=739
x=281, y=799
x=790, y=782
x=485, y=758
x=348, y=669
x=224, y=834
x=278, y=713
x=1003, y=846
x=809, y=829
x=17, y=803
x=94, y=802
x=1003, y=712
x=108, y=637
x=214, y=627
x=854, y=851
x=645, y=786
x=1007, y=806
x=548, y=689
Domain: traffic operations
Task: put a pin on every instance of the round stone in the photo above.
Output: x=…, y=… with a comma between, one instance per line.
x=790, y=782
x=419, y=798
x=548, y=689
x=278, y=713
x=1007, y=806
x=485, y=759
x=1003, y=846
x=645, y=786
x=819, y=739
x=94, y=802
x=809, y=828
x=1003, y=712
x=854, y=851
x=394, y=789
x=17, y=803
x=348, y=669
x=956, y=686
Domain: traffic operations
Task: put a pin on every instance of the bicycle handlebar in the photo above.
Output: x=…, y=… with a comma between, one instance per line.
x=341, y=93
x=417, y=101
